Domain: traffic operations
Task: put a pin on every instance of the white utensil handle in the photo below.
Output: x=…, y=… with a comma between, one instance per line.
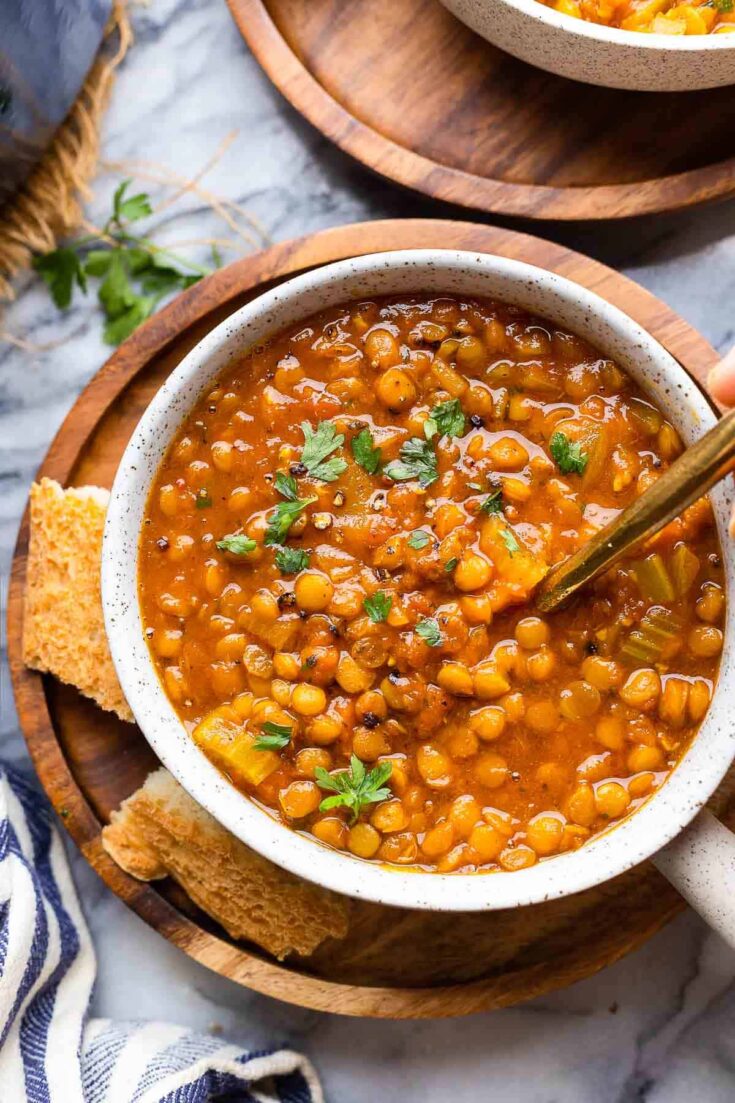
x=700, y=863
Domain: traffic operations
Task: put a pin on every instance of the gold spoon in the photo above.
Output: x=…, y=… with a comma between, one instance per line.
x=696, y=470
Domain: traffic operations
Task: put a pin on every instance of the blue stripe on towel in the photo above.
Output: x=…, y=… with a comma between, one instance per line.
x=134, y=1060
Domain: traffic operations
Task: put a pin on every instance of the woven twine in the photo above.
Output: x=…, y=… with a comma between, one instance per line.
x=48, y=206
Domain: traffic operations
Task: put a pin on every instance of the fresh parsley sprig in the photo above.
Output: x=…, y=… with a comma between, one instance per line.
x=354, y=788
x=445, y=419
x=237, y=544
x=430, y=632
x=286, y=486
x=568, y=454
x=509, y=539
x=417, y=461
x=418, y=539
x=135, y=273
x=365, y=451
x=318, y=447
x=378, y=606
x=283, y=517
x=292, y=560
x=273, y=737
x=493, y=503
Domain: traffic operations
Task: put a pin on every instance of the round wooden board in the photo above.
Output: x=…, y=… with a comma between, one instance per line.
x=415, y=95
x=393, y=963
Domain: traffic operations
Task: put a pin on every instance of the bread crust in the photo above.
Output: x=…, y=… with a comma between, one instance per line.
x=160, y=831
x=63, y=625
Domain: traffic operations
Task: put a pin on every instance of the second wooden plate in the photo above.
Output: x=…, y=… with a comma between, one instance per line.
x=408, y=90
x=394, y=962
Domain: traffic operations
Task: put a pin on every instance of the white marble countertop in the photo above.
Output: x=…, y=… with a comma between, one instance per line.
x=655, y=1028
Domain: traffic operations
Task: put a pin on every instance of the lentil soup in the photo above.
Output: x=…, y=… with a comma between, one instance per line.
x=336, y=565
x=654, y=16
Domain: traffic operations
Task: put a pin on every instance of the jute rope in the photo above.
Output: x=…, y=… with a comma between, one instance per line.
x=48, y=206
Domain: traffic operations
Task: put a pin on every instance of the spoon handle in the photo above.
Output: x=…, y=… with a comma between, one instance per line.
x=697, y=469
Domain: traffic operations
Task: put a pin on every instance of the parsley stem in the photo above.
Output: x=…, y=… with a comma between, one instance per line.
x=153, y=248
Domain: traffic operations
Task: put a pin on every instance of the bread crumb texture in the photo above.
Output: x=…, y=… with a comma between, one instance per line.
x=161, y=831
x=63, y=627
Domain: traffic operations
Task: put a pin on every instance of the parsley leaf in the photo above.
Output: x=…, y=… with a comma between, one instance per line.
x=451, y=564
x=237, y=544
x=418, y=461
x=445, y=419
x=723, y=6
x=283, y=517
x=116, y=293
x=493, y=503
x=354, y=788
x=568, y=455
x=509, y=539
x=273, y=737
x=117, y=329
x=203, y=500
x=418, y=539
x=286, y=486
x=60, y=270
x=365, y=452
x=292, y=560
x=378, y=606
x=131, y=209
x=428, y=629
x=318, y=445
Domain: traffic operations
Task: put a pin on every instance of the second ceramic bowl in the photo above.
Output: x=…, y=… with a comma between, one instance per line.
x=597, y=54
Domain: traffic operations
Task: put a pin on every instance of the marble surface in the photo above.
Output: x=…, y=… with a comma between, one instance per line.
x=658, y=1026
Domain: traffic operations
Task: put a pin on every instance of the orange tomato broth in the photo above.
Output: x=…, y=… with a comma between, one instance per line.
x=390, y=632
x=653, y=16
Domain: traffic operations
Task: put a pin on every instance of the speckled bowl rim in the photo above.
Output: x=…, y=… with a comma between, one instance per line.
x=656, y=43
x=550, y=295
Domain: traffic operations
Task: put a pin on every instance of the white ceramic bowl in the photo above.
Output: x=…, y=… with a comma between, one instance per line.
x=536, y=290
x=596, y=54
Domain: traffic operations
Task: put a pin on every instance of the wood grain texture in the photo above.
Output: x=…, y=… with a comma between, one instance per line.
x=394, y=963
x=412, y=93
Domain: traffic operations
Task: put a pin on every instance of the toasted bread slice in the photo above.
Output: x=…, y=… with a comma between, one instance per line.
x=161, y=831
x=63, y=628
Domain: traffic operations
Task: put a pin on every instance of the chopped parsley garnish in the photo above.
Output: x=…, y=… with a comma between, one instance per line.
x=451, y=564
x=445, y=419
x=318, y=447
x=724, y=6
x=286, y=486
x=236, y=544
x=417, y=461
x=292, y=560
x=203, y=500
x=493, y=503
x=568, y=454
x=354, y=788
x=365, y=452
x=418, y=539
x=378, y=606
x=283, y=517
x=428, y=629
x=508, y=538
x=273, y=737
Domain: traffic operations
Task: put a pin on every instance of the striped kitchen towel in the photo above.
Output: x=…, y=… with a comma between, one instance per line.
x=48, y=1052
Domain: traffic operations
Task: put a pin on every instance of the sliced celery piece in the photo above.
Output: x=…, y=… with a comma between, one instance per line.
x=653, y=579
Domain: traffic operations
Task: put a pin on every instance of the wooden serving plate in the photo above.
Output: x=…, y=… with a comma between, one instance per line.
x=394, y=963
x=411, y=92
